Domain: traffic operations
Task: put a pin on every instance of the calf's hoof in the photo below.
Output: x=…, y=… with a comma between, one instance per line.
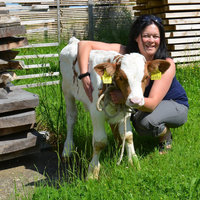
x=67, y=151
x=134, y=161
x=93, y=174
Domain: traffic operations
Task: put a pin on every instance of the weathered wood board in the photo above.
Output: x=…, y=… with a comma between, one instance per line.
x=182, y=21
x=18, y=100
x=17, y=119
x=166, y=2
x=12, y=43
x=185, y=53
x=11, y=130
x=9, y=65
x=184, y=46
x=2, y=4
x=14, y=143
x=12, y=31
x=20, y=153
x=3, y=12
x=9, y=20
x=180, y=14
x=8, y=55
x=183, y=40
x=13, y=146
x=182, y=33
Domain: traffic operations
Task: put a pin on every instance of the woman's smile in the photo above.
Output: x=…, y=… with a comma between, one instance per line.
x=149, y=41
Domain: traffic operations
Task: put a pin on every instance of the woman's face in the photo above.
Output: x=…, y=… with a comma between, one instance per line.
x=149, y=41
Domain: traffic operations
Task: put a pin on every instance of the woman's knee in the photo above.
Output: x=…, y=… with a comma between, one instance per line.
x=144, y=124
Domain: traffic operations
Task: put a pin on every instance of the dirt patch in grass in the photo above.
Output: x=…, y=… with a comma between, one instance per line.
x=22, y=175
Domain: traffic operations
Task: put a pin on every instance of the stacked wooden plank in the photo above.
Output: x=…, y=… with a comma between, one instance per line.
x=9, y=27
x=17, y=118
x=181, y=19
x=17, y=107
x=41, y=17
x=36, y=15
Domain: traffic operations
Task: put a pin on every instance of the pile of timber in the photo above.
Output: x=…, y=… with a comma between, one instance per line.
x=17, y=118
x=17, y=107
x=36, y=16
x=41, y=17
x=181, y=19
x=10, y=27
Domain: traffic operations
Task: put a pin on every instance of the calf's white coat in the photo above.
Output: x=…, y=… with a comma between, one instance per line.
x=132, y=65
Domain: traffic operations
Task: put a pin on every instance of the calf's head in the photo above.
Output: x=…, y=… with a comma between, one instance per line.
x=131, y=74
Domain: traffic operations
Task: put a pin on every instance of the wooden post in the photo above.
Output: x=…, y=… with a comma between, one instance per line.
x=58, y=19
x=91, y=21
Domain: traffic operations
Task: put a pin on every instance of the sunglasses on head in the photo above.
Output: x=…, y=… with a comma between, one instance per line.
x=147, y=18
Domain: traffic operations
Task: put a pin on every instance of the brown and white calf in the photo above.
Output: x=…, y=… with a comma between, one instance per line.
x=129, y=75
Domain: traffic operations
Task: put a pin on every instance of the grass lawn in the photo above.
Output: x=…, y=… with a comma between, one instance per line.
x=175, y=175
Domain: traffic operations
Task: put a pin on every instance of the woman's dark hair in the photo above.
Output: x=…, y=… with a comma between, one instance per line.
x=138, y=27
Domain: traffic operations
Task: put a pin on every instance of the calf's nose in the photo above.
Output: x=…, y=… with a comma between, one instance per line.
x=137, y=101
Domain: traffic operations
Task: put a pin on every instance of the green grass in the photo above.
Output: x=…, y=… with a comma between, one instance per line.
x=175, y=175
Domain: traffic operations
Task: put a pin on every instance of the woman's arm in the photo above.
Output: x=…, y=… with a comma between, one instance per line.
x=84, y=48
x=159, y=88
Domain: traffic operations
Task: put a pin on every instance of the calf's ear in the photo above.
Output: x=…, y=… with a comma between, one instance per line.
x=109, y=67
x=154, y=65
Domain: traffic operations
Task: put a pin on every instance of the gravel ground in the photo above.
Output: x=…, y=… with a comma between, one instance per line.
x=22, y=174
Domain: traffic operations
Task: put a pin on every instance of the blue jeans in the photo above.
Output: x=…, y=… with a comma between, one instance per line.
x=168, y=113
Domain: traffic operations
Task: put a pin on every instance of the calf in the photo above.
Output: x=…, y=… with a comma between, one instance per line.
x=129, y=73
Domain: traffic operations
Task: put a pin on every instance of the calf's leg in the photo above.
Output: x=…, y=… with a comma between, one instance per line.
x=132, y=157
x=99, y=142
x=71, y=115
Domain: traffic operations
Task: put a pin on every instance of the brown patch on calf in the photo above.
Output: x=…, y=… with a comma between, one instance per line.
x=109, y=67
x=116, y=134
x=122, y=83
x=102, y=90
x=73, y=68
x=153, y=65
x=145, y=79
x=117, y=59
x=98, y=146
x=129, y=139
x=120, y=77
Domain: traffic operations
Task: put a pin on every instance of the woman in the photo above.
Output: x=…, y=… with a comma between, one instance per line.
x=166, y=103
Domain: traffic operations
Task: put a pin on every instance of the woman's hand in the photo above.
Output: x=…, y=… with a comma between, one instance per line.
x=87, y=85
x=117, y=97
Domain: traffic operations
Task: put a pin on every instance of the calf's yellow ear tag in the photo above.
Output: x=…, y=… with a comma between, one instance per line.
x=156, y=75
x=106, y=78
